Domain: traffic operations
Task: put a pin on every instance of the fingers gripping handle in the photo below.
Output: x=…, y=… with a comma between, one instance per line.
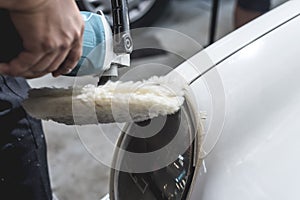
x=94, y=45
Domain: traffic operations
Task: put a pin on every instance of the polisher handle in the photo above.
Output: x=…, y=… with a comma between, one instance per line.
x=121, y=27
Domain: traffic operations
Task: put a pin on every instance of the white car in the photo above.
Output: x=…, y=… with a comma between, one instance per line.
x=248, y=83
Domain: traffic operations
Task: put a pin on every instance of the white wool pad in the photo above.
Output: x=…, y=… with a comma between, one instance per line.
x=113, y=102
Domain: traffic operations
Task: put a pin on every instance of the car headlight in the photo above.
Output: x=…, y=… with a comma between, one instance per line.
x=171, y=181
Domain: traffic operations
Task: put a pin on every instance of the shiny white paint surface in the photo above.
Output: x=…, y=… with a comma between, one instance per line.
x=258, y=153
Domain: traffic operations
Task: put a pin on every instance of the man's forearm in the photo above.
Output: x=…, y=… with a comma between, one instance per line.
x=22, y=5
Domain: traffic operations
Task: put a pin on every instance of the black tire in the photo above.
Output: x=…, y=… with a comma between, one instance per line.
x=151, y=16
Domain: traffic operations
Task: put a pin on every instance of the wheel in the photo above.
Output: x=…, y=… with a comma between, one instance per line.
x=142, y=13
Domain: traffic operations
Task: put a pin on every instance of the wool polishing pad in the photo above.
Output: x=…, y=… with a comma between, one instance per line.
x=112, y=102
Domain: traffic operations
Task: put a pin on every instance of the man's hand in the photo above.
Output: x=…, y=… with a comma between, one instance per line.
x=51, y=31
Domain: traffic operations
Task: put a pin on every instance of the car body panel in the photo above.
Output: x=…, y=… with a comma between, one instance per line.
x=256, y=155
